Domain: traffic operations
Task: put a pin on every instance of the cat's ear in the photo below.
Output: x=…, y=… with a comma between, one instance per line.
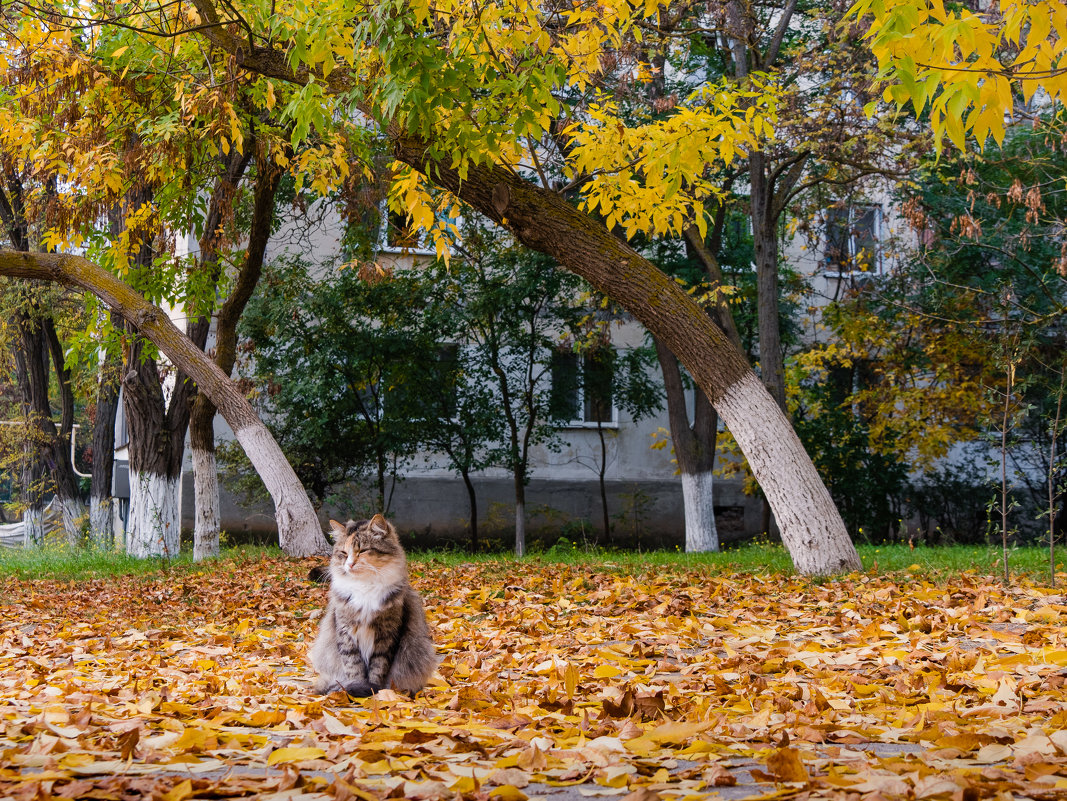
x=338, y=530
x=379, y=525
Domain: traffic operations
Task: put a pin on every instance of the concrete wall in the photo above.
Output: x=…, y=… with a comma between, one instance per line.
x=434, y=510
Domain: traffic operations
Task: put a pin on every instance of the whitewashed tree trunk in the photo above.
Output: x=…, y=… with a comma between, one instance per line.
x=154, y=527
x=206, y=495
x=299, y=531
x=701, y=533
x=33, y=526
x=812, y=528
x=800, y=500
x=72, y=513
x=101, y=524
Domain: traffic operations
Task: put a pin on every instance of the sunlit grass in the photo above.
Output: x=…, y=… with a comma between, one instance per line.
x=63, y=562
x=933, y=563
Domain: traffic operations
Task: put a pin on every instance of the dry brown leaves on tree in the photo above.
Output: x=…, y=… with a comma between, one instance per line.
x=557, y=681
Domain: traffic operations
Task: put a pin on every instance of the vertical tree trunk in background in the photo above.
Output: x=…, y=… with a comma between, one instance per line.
x=520, y=514
x=694, y=449
x=472, y=500
x=207, y=523
x=53, y=448
x=765, y=240
x=33, y=466
x=101, y=520
x=157, y=434
x=602, y=470
x=68, y=492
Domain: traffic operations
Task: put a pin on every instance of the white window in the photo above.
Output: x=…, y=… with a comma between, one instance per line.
x=399, y=234
x=582, y=387
x=852, y=237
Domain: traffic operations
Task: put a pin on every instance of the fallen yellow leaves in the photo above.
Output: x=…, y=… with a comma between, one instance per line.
x=557, y=681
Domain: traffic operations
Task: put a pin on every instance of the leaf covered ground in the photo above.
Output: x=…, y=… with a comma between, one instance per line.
x=561, y=681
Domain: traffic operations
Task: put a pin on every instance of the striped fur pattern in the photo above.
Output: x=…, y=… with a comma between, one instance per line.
x=374, y=632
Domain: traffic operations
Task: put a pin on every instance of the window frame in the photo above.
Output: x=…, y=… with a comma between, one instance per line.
x=580, y=401
x=385, y=215
x=854, y=211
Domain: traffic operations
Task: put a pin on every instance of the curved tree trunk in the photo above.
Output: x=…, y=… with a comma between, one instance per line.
x=299, y=532
x=812, y=529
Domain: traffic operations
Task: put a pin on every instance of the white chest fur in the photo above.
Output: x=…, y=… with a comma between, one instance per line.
x=363, y=593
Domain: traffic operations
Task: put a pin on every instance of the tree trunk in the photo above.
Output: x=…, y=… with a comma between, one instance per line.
x=54, y=451
x=208, y=519
x=812, y=528
x=601, y=476
x=694, y=449
x=66, y=481
x=299, y=531
x=33, y=504
x=765, y=240
x=154, y=526
x=33, y=469
x=157, y=447
x=520, y=514
x=473, y=501
x=101, y=522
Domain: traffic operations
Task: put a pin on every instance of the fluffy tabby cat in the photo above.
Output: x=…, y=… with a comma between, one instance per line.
x=373, y=634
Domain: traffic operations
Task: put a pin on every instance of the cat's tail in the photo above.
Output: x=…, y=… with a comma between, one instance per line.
x=319, y=574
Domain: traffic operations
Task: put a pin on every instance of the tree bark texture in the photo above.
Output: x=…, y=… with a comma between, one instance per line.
x=812, y=528
x=154, y=526
x=53, y=448
x=765, y=241
x=298, y=529
x=207, y=518
x=694, y=449
x=101, y=522
x=157, y=447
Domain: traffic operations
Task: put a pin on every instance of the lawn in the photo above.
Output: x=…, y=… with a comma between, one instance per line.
x=562, y=677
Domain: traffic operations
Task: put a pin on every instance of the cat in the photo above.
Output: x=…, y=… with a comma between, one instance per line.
x=373, y=633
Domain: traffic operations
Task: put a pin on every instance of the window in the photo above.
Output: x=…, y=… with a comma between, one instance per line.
x=852, y=234
x=444, y=374
x=581, y=392
x=399, y=234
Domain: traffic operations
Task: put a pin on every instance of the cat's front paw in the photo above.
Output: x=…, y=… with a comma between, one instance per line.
x=358, y=689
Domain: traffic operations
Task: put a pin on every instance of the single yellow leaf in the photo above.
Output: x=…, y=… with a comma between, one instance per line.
x=508, y=792
x=179, y=792
x=294, y=754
